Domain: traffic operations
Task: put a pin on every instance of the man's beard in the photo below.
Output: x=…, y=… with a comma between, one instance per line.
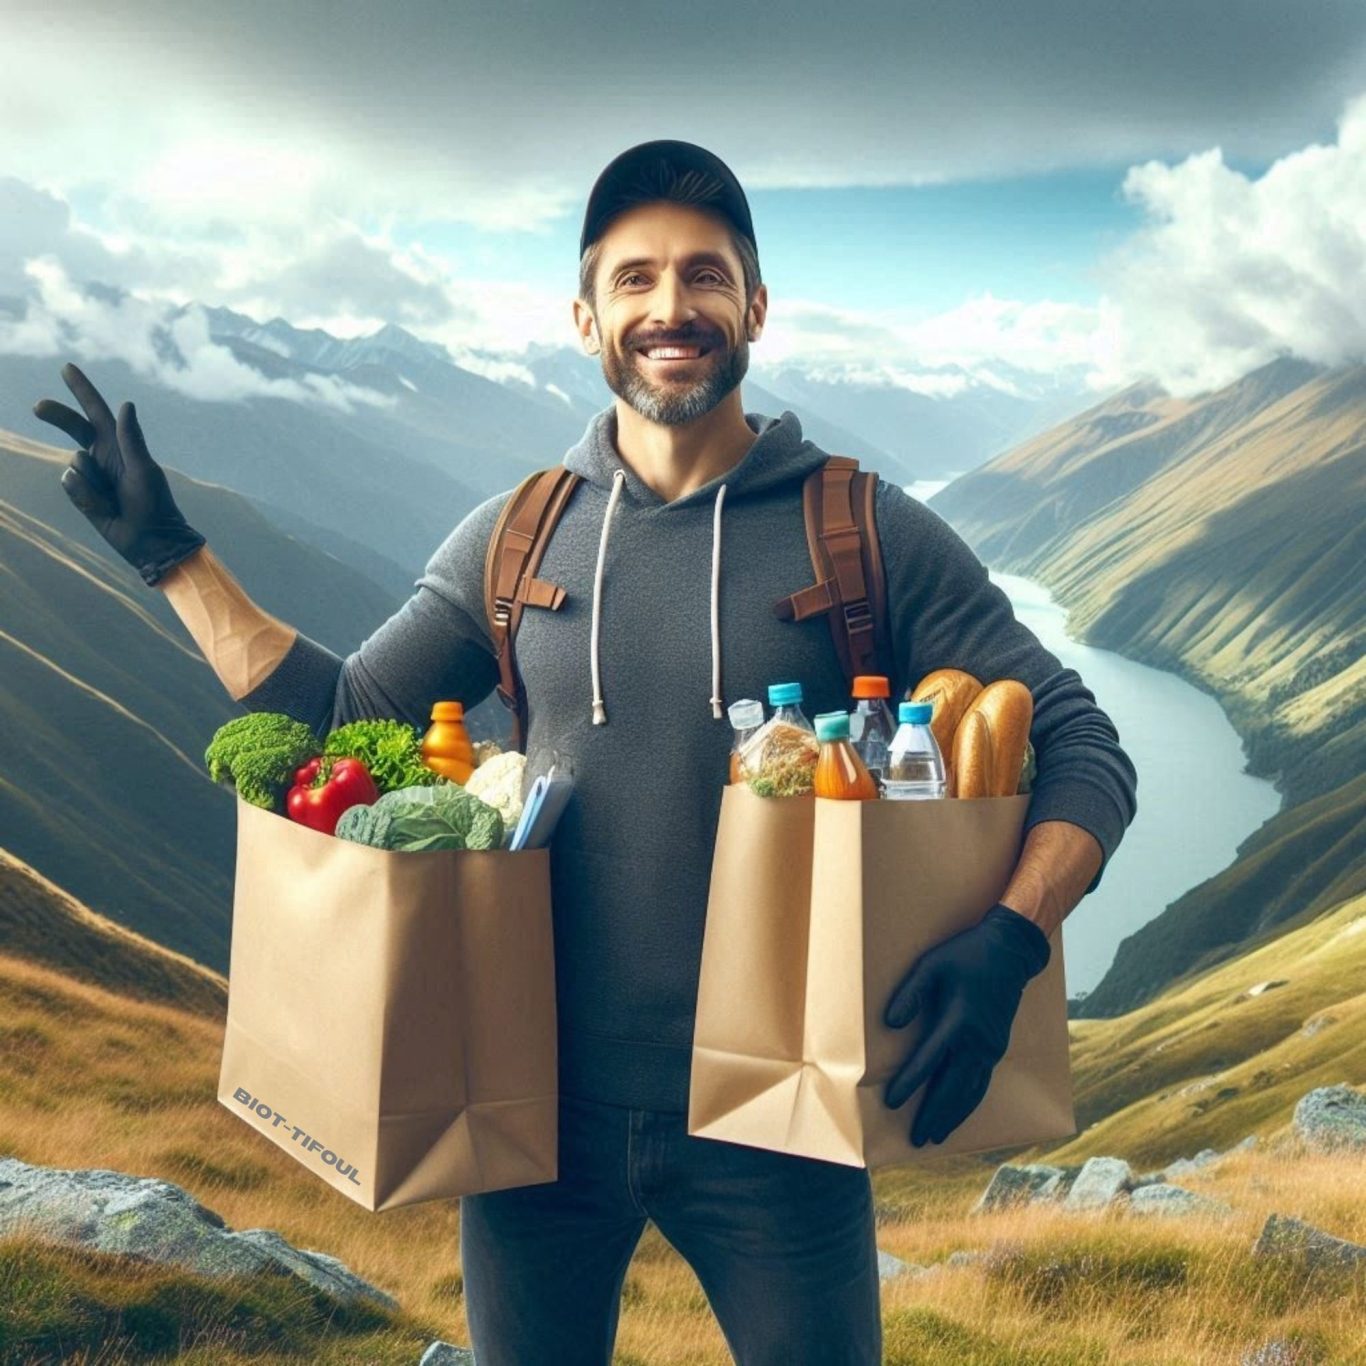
x=675, y=402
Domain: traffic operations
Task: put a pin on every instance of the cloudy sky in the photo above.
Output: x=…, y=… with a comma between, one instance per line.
x=1161, y=189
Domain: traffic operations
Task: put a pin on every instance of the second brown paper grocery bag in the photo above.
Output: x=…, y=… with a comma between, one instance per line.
x=817, y=909
x=391, y=1014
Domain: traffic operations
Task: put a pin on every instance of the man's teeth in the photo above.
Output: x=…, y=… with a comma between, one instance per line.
x=673, y=352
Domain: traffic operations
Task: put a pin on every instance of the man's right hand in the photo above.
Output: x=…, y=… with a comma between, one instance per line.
x=115, y=482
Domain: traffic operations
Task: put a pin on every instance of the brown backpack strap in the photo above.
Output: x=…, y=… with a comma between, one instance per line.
x=519, y=539
x=850, y=586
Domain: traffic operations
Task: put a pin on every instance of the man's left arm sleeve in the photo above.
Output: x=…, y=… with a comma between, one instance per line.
x=947, y=614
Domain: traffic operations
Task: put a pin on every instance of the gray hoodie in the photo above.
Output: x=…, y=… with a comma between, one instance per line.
x=631, y=683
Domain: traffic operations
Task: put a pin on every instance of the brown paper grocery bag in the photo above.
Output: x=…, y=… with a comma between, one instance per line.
x=391, y=1014
x=817, y=909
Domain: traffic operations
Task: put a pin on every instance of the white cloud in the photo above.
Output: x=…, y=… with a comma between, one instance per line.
x=1232, y=272
x=170, y=349
x=981, y=342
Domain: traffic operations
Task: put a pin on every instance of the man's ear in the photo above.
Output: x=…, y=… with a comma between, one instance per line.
x=590, y=339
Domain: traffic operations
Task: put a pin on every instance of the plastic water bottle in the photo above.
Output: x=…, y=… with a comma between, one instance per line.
x=786, y=701
x=915, y=767
x=871, y=723
x=746, y=716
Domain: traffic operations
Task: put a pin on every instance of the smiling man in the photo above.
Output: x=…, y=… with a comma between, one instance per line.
x=685, y=529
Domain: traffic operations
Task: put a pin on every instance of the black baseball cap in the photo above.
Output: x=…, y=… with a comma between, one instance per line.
x=643, y=172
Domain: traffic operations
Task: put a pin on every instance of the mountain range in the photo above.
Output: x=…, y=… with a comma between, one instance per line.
x=1217, y=537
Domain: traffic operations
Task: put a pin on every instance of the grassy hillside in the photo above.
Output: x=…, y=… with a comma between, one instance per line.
x=1203, y=1065
x=106, y=705
x=1206, y=1062
x=42, y=924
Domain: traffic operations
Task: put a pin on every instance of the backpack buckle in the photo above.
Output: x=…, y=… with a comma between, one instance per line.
x=858, y=615
x=502, y=611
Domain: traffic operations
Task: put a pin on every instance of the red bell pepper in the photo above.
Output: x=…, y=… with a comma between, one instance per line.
x=319, y=796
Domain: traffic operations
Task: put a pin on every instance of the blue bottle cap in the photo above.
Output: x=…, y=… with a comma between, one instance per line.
x=915, y=712
x=784, y=694
x=832, y=725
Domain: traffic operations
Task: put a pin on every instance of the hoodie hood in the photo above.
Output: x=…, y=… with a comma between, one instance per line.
x=779, y=455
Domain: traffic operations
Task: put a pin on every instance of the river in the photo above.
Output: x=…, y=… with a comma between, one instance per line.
x=1195, y=804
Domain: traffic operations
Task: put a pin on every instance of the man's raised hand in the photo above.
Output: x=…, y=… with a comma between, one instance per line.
x=115, y=482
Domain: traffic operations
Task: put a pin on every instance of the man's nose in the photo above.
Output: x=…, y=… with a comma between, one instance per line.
x=670, y=304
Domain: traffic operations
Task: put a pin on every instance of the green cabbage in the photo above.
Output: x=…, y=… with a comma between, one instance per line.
x=443, y=816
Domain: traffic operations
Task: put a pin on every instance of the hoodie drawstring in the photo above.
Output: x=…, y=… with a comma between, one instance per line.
x=599, y=706
x=716, y=605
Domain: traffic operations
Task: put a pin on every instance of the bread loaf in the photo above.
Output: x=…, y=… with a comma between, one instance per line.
x=989, y=744
x=951, y=691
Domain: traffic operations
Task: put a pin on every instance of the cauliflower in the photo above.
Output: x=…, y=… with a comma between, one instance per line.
x=498, y=781
x=484, y=750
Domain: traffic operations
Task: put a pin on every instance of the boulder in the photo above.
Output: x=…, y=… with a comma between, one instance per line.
x=1165, y=1199
x=443, y=1354
x=158, y=1221
x=1017, y=1185
x=1331, y=1117
x=1100, y=1180
x=889, y=1267
x=1282, y=1236
x=1183, y=1166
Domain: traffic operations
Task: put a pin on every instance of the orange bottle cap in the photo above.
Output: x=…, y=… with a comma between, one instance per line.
x=871, y=685
x=448, y=711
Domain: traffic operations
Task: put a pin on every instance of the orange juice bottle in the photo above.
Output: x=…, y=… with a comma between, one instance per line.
x=446, y=746
x=840, y=773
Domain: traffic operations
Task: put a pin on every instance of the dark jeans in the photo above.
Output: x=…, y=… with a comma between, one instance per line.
x=783, y=1246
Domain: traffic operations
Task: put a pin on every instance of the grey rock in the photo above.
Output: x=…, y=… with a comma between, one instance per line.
x=1277, y=1352
x=889, y=1267
x=1169, y=1200
x=1100, y=1180
x=1147, y=1179
x=443, y=1354
x=158, y=1221
x=1016, y=1185
x=1331, y=1117
x=964, y=1257
x=1282, y=1236
x=1183, y=1166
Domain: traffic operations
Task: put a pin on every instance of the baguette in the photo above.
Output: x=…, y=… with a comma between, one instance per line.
x=989, y=744
x=951, y=692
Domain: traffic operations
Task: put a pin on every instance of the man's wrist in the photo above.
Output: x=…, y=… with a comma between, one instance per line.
x=1023, y=935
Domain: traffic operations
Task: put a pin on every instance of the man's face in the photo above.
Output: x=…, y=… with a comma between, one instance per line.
x=667, y=273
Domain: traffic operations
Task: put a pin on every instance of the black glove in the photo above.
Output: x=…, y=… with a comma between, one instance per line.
x=966, y=991
x=116, y=483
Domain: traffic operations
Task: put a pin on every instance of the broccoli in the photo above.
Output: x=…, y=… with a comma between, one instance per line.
x=390, y=750
x=258, y=754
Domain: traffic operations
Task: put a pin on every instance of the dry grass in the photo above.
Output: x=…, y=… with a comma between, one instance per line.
x=77, y=1090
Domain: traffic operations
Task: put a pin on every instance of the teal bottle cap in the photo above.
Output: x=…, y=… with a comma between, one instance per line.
x=832, y=725
x=915, y=712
